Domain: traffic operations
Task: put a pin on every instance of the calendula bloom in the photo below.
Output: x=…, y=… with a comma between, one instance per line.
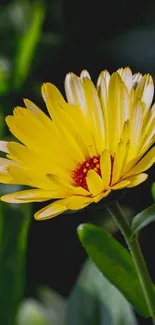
x=98, y=141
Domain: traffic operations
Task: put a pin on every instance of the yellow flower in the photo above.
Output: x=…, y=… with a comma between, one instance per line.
x=100, y=140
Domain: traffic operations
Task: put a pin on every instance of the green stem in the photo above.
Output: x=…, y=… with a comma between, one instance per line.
x=137, y=256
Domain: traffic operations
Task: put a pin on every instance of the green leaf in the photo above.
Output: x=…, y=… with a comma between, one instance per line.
x=14, y=225
x=27, y=45
x=143, y=218
x=153, y=191
x=115, y=262
x=95, y=301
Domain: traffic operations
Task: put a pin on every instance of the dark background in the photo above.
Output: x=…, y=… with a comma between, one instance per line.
x=79, y=35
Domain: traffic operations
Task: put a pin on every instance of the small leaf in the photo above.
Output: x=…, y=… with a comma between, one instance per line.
x=94, y=300
x=143, y=218
x=153, y=191
x=115, y=262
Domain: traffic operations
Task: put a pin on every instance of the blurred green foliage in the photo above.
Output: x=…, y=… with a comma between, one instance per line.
x=14, y=219
x=27, y=44
x=14, y=224
x=31, y=312
x=95, y=301
x=153, y=191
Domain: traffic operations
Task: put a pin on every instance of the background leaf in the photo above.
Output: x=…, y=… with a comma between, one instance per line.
x=31, y=312
x=3, y=81
x=115, y=262
x=53, y=303
x=143, y=218
x=95, y=301
x=27, y=44
x=46, y=311
x=14, y=225
x=153, y=191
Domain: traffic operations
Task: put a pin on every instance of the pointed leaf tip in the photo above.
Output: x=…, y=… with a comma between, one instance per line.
x=80, y=227
x=82, y=230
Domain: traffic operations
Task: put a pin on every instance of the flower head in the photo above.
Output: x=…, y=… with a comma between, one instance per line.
x=98, y=141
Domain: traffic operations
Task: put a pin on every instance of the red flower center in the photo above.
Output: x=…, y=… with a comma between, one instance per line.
x=80, y=173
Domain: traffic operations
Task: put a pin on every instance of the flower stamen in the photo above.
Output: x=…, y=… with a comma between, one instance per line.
x=80, y=173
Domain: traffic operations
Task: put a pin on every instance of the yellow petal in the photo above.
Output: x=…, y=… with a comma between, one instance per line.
x=94, y=182
x=85, y=135
x=84, y=74
x=105, y=165
x=149, y=119
x=145, y=90
x=7, y=179
x=101, y=196
x=137, y=179
x=27, y=176
x=149, y=138
x=36, y=161
x=58, y=182
x=35, y=195
x=135, y=129
x=125, y=136
x=83, y=94
x=52, y=210
x=145, y=163
x=121, y=185
x=102, y=88
x=30, y=136
x=78, y=202
x=95, y=116
x=21, y=153
x=5, y=163
x=70, y=134
x=51, y=95
x=136, y=79
x=118, y=161
x=38, y=113
x=57, y=207
x=75, y=93
x=104, y=75
x=126, y=76
x=36, y=137
x=3, y=146
x=118, y=106
x=64, y=120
